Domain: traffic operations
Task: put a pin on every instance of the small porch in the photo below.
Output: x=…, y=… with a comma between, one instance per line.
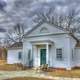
x=41, y=51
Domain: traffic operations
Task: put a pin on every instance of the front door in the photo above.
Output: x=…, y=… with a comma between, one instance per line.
x=42, y=56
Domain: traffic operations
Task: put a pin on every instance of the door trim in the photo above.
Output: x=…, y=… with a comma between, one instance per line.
x=43, y=56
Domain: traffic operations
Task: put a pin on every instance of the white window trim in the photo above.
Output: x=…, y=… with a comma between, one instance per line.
x=62, y=54
x=19, y=55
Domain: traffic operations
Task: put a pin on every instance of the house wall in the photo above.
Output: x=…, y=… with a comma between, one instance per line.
x=12, y=56
x=73, y=52
x=60, y=41
x=59, y=37
x=26, y=47
x=77, y=57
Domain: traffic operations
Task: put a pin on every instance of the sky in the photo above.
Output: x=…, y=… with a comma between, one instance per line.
x=16, y=11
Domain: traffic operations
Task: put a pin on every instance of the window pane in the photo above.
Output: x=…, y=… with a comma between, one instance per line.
x=59, y=54
x=20, y=55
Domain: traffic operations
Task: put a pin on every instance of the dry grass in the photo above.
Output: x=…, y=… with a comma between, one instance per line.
x=27, y=78
x=10, y=67
x=65, y=73
x=51, y=72
x=2, y=62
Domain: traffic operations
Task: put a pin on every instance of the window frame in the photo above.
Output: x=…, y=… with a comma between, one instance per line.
x=19, y=55
x=59, y=56
x=73, y=54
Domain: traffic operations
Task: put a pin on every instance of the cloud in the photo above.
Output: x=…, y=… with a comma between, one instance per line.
x=18, y=10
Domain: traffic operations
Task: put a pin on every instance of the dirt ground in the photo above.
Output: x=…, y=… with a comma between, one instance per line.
x=27, y=78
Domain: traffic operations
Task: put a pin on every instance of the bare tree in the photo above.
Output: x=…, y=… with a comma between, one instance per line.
x=16, y=35
x=68, y=20
x=19, y=31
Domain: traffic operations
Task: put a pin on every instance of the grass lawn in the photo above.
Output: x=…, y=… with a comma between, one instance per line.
x=10, y=67
x=27, y=78
x=65, y=73
x=52, y=72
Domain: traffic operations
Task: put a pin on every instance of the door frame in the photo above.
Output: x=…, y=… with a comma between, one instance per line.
x=40, y=55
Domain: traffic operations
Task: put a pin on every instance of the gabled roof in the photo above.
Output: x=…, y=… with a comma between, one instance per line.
x=16, y=45
x=58, y=27
x=39, y=24
x=33, y=28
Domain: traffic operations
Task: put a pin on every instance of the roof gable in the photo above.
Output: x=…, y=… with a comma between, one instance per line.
x=16, y=45
x=43, y=29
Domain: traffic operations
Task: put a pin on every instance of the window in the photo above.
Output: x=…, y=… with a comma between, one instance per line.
x=59, y=54
x=20, y=55
x=73, y=56
x=29, y=54
x=44, y=30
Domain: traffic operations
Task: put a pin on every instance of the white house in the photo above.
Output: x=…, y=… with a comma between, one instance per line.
x=48, y=44
x=14, y=54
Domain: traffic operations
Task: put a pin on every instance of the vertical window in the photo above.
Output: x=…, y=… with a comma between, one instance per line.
x=59, y=54
x=20, y=55
x=72, y=54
